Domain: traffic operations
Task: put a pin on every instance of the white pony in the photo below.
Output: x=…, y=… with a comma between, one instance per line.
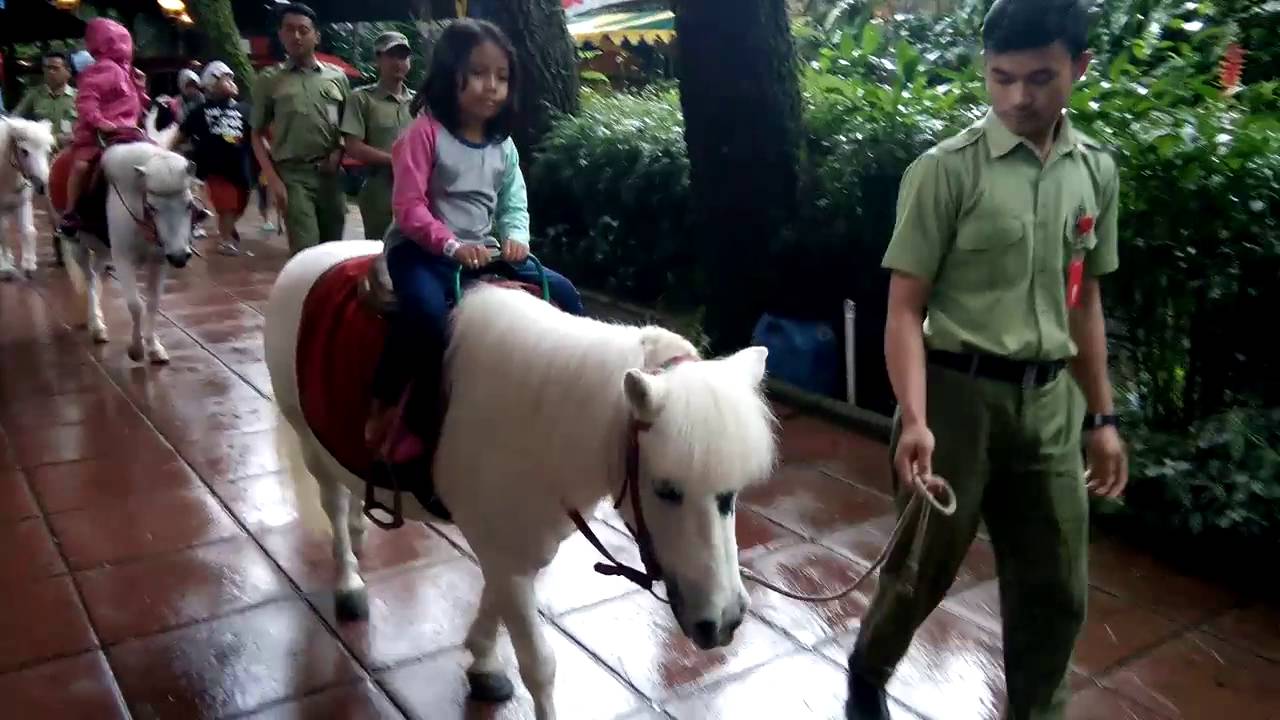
x=25, y=147
x=149, y=202
x=544, y=409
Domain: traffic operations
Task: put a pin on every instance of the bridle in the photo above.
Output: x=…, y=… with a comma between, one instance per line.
x=147, y=223
x=16, y=164
x=651, y=572
x=652, y=569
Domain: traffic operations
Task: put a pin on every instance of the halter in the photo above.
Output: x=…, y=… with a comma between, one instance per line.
x=920, y=504
x=16, y=164
x=652, y=571
x=147, y=223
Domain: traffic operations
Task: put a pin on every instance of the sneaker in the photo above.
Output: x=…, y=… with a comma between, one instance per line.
x=268, y=227
x=228, y=248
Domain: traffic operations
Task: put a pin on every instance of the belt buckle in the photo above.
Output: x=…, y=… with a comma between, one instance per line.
x=1029, y=375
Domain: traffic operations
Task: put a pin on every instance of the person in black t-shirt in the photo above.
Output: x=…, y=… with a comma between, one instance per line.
x=219, y=130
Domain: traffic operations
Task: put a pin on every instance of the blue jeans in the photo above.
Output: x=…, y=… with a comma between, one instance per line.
x=423, y=284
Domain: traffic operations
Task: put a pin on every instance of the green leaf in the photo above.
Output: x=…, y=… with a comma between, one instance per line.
x=872, y=36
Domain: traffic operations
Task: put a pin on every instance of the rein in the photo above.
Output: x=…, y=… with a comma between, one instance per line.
x=921, y=504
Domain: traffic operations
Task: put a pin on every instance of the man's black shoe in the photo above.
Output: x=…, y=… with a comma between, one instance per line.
x=867, y=700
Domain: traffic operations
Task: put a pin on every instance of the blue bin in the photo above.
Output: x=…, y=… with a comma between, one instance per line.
x=804, y=353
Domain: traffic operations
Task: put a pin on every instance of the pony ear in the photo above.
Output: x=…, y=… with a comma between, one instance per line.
x=752, y=362
x=47, y=125
x=191, y=168
x=646, y=394
x=141, y=170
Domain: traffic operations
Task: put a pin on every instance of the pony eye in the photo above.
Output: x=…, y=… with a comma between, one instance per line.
x=25, y=152
x=668, y=493
x=724, y=502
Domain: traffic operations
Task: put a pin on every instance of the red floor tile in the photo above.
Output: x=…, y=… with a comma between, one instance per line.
x=232, y=665
x=307, y=555
x=1255, y=628
x=40, y=620
x=1131, y=575
x=224, y=457
x=264, y=502
x=75, y=688
x=94, y=483
x=1200, y=676
x=953, y=669
x=799, y=686
x=571, y=582
x=813, y=504
x=412, y=613
x=1102, y=704
x=7, y=459
x=809, y=570
x=99, y=409
x=140, y=526
x=69, y=443
x=361, y=701
x=856, y=458
x=16, y=502
x=167, y=591
x=638, y=637
x=758, y=534
x=217, y=416
x=584, y=690
x=28, y=553
x=1115, y=630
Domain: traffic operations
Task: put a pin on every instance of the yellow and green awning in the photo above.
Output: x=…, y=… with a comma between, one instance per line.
x=651, y=27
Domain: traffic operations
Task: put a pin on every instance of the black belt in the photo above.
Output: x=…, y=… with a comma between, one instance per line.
x=1027, y=373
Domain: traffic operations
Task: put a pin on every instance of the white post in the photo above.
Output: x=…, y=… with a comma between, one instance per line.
x=850, y=364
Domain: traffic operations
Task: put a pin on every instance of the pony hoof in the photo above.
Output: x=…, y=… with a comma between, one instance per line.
x=490, y=687
x=158, y=356
x=99, y=335
x=352, y=605
x=135, y=353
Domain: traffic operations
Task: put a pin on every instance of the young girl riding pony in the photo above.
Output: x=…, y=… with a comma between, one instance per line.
x=458, y=200
x=111, y=99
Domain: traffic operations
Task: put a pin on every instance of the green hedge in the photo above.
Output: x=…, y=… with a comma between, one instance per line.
x=1200, y=231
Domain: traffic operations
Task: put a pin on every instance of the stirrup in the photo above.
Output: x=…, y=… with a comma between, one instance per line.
x=394, y=514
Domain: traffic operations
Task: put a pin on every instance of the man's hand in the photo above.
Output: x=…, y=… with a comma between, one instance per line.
x=471, y=256
x=914, y=459
x=279, y=193
x=333, y=162
x=1108, y=471
x=514, y=251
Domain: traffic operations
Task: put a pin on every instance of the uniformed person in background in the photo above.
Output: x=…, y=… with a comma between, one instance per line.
x=373, y=120
x=300, y=102
x=55, y=102
x=997, y=353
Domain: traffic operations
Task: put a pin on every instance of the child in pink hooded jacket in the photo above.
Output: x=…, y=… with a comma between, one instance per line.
x=111, y=98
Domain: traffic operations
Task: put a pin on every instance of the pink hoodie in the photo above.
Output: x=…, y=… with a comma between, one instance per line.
x=107, y=92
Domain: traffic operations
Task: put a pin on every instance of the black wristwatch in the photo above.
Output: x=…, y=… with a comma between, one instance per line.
x=1093, y=421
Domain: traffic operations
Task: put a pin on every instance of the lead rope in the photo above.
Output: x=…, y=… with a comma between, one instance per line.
x=946, y=506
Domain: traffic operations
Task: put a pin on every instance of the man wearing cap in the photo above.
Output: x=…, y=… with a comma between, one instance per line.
x=219, y=131
x=55, y=102
x=373, y=120
x=300, y=102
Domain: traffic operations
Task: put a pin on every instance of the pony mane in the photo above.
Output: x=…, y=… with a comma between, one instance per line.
x=167, y=173
x=28, y=132
x=716, y=431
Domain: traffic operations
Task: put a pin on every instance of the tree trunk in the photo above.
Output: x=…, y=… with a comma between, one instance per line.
x=739, y=89
x=215, y=19
x=545, y=55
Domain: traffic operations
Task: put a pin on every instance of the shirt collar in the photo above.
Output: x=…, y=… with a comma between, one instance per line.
x=66, y=90
x=404, y=96
x=1001, y=140
x=291, y=65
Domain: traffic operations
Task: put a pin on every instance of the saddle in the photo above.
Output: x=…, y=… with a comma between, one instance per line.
x=92, y=203
x=341, y=337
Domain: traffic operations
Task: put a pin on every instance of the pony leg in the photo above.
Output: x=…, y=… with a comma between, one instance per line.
x=486, y=676
x=26, y=222
x=519, y=605
x=356, y=525
x=351, y=599
x=7, y=270
x=128, y=276
x=155, y=285
x=95, y=267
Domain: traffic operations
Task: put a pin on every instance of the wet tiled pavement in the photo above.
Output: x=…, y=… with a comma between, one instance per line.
x=154, y=566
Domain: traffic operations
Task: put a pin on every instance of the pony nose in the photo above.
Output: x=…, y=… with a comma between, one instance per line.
x=179, y=260
x=38, y=186
x=706, y=633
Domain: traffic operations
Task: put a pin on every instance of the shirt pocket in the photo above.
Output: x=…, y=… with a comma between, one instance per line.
x=1082, y=213
x=991, y=252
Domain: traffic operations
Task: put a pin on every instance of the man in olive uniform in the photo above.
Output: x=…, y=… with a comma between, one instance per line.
x=1002, y=234
x=374, y=119
x=54, y=101
x=299, y=104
